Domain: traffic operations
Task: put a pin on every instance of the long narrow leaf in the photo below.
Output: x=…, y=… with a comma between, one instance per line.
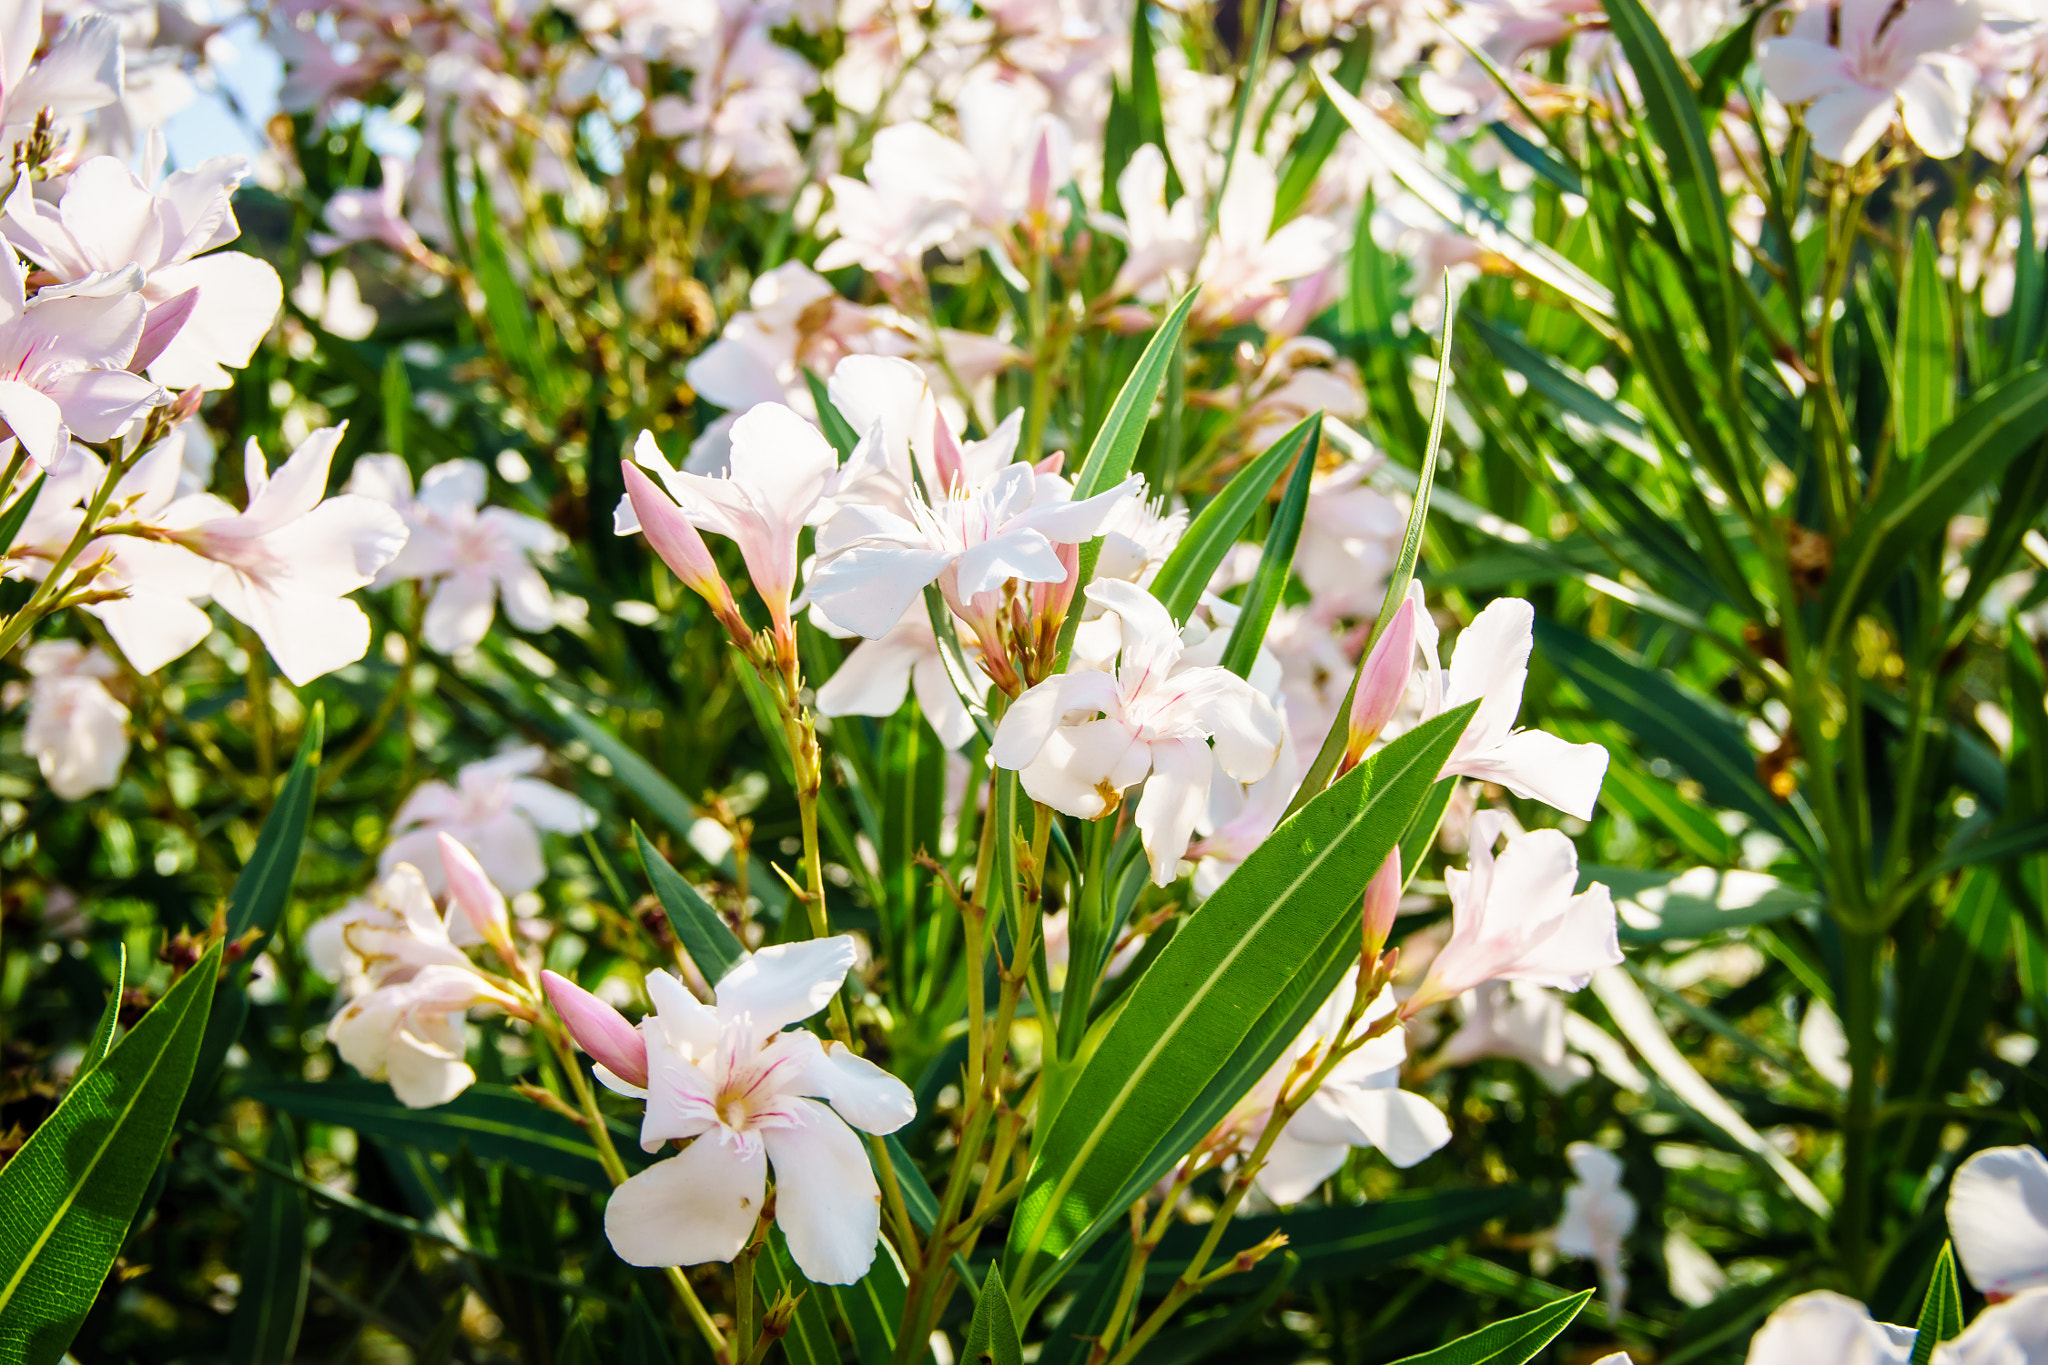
x=710, y=943
x=69, y=1193
x=1195, y=559
x=1276, y=564
x=1187, y=1016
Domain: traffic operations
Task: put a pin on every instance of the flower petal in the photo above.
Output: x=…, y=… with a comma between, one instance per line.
x=860, y=1092
x=826, y=1199
x=700, y=1205
x=778, y=986
x=1998, y=1216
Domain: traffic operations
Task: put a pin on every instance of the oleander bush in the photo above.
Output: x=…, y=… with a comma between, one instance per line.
x=1103, y=682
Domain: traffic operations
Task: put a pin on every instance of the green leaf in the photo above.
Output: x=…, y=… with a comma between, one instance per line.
x=837, y=429
x=508, y=310
x=705, y=937
x=2025, y=313
x=1947, y=989
x=265, y=883
x=1465, y=210
x=103, y=1032
x=1554, y=381
x=1341, y=1242
x=1633, y=1016
x=641, y=778
x=1514, y=1342
x=257, y=903
x=1964, y=458
x=1941, y=1314
x=495, y=1122
x=276, y=1265
x=1087, y=1316
x=1115, y=447
x=1673, y=112
x=1275, y=563
x=1203, y=1340
x=17, y=512
x=872, y=1308
x=992, y=1335
x=1925, y=388
x=1241, y=951
x=1404, y=564
x=396, y=392
x=1305, y=159
x=1194, y=561
x=72, y=1189
x=809, y=1339
x=1671, y=721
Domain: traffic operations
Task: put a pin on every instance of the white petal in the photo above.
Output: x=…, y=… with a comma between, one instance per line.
x=1848, y=123
x=1174, y=797
x=1823, y=1326
x=1998, y=1216
x=700, y=1205
x=238, y=300
x=1404, y=1127
x=778, y=986
x=826, y=1199
x=460, y=612
x=1538, y=765
x=1294, y=1167
x=860, y=1092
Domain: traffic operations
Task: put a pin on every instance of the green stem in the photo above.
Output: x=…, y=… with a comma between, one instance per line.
x=1861, y=958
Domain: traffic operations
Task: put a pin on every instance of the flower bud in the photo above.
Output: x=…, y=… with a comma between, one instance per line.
x=952, y=468
x=1382, y=683
x=678, y=544
x=481, y=903
x=598, y=1029
x=1382, y=901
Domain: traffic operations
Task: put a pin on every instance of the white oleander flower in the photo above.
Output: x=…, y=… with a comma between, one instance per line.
x=750, y=1095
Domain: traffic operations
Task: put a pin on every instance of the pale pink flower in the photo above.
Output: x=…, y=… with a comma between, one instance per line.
x=1518, y=918
x=1248, y=264
x=1859, y=64
x=1360, y=1104
x=286, y=563
x=1490, y=665
x=1826, y=1326
x=1519, y=1021
x=1080, y=739
x=370, y=215
x=780, y=468
x=79, y=72
x=968, y=538
x=1598, y=1217
x=874, y=679
x=409, y=1032
x=496, y=811
x=75, y=731
x=617, y=1049
x=207, y=308
x=473, y=556
x=64, y=358
x=1161, y=243
x=746, y=1093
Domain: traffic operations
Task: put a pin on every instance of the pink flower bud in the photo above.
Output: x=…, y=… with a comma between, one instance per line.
x=946, y=455
x=1382, y=683
x=1038, y=196
x=1382, y=900
x=481, y=903
x=598, y=1029
x=677, y=541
